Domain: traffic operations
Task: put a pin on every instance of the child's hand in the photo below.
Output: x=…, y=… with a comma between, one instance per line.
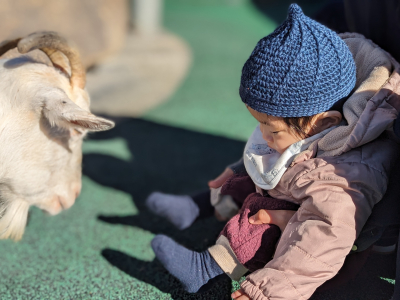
x=220, y=180
x=279, y=218
x=240, y=295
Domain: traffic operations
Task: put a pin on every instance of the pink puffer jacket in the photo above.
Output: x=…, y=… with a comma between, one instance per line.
x=336, y=182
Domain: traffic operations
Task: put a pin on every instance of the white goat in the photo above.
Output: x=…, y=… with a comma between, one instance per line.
x=44, y=115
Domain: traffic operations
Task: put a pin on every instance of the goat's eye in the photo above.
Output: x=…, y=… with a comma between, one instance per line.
x=64, y=102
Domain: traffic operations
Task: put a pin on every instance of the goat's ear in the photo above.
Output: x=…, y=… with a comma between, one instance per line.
x=65, y=113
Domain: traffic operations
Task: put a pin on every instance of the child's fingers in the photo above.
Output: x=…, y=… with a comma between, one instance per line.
x=220, y=180
x=240, y=295
x=279, y=218
x=261, y=217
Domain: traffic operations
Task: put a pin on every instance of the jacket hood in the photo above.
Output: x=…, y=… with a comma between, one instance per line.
x=374, y=103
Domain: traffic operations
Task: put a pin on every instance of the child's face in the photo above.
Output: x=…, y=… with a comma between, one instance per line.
x=274, y=131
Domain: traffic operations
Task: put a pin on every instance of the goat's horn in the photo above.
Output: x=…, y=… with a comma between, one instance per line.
x=8, y=45
x=49, y=42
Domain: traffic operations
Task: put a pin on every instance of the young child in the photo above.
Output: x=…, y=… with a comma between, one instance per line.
x=303, y=154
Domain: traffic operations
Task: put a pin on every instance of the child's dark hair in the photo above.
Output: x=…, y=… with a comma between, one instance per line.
x=299, y=124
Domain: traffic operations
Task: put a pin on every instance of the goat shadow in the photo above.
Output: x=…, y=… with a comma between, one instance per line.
x=167, y=159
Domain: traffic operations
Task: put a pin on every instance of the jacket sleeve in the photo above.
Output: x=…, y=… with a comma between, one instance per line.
x=335, y=205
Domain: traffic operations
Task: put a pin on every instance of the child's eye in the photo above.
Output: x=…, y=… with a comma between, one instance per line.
x=275, y=132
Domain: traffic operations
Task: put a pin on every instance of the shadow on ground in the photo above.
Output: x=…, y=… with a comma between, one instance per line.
x=164, y=159
x=180, y=161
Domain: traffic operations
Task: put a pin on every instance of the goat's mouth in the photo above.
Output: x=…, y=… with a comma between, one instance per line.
x=54, y=207
x=58, y=204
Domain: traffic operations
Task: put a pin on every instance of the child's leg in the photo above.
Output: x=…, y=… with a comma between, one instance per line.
x=249, y=245
x=183, y=210
x=241, y=247
x=238, y=186
x=193, y=269
x=180, y=210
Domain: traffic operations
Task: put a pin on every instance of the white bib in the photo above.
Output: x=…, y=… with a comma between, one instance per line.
x=266, y=166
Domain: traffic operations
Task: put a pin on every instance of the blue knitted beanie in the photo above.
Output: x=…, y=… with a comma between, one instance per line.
x=301, y=69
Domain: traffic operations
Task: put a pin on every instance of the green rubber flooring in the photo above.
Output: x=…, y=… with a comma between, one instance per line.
x=100, y=248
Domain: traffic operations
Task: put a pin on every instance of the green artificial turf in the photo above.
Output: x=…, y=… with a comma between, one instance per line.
x=221, y=35
x=100, y=248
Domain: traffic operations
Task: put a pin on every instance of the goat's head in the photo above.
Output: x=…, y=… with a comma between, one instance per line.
x=44, y=115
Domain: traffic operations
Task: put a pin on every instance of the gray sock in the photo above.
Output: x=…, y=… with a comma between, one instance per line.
x=196, y=271
x=179, y=210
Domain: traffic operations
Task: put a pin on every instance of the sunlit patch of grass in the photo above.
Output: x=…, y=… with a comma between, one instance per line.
x=117, y=147
x=392, y=281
